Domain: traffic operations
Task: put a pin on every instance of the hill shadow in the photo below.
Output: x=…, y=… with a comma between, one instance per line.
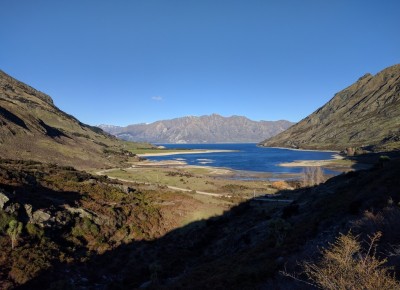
x=244, y=247
x=369, y=160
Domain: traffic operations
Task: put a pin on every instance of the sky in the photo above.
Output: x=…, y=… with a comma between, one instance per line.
x=139, y=61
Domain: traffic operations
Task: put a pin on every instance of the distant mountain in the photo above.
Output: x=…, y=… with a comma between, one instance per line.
x=366, y=114
x=32, y=127
x=205, y=129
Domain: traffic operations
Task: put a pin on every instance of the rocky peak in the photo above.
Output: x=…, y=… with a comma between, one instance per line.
x=8, y=83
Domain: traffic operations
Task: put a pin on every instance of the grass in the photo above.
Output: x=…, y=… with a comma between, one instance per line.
x=198, y=179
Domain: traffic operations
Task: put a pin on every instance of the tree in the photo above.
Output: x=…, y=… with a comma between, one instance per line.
x=313, y=175
x=14, y=230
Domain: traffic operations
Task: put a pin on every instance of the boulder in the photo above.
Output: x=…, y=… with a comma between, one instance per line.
x=41, y=218
x=28, y=209
x=80, y=211
x=3, y=199
x=12, y=208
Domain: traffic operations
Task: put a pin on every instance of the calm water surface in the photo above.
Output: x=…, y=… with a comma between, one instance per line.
x=247, y=157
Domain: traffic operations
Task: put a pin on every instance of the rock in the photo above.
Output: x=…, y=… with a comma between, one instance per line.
x=28, y=209
x=41, y=218
x=80, y=211
x=12, y=208
x=104, y=220
x=62, y=218
x=3, y=199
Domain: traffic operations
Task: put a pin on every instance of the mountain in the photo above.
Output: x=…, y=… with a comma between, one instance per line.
x=32, y=127
x=365, y=114
x=205, y=129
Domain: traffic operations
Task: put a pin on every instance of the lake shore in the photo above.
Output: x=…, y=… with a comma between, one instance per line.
x=305, y=150
x=306, y=163
x=194, y=151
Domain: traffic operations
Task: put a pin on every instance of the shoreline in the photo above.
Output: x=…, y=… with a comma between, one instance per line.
x=295, y=149
x=224, y=172
x=313, y=163
x=194, y=151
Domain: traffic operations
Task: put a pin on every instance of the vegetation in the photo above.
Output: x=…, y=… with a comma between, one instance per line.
x=348, y=122
x=14, y=230
x=313, y=176
x=346, y=266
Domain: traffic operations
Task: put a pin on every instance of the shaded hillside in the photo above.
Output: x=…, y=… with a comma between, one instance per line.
x=67, y=215
x=247, y=246
x=32, y=127
x=204, y=129
x=364, y=114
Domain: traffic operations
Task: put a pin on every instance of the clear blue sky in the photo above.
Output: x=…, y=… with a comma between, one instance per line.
x=124, y=62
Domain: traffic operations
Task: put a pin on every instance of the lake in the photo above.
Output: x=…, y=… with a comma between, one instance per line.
x=247, y=157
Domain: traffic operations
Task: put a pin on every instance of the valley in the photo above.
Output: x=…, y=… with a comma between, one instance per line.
x=81, y=209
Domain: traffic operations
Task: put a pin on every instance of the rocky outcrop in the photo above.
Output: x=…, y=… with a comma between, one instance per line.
x=3, y=199
x=204, y=129
x=364, y=115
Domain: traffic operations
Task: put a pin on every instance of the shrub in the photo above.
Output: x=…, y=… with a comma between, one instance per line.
x=5, y=219
x=280, y=185
x=279, y=228
x=14, y=230
x=34, y=231
x=346, y=266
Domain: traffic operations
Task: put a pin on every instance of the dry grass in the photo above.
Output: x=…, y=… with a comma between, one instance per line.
x=346, y=265
x=198, y=179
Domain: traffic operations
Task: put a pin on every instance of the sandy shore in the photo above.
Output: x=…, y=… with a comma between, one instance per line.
x=306, y=163
x=183, y=152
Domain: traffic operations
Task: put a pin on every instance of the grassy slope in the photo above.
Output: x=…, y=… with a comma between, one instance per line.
x=89, y=215
x=247, y=246
x=32, y=127
x=365, y=113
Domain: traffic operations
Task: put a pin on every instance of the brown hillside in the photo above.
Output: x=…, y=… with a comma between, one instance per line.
x=364, y=114
x=32, y=127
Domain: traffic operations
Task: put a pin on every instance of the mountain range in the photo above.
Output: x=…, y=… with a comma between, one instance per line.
x=204, y=129
x=365, y=115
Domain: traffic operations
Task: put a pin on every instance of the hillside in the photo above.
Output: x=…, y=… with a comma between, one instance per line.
x=32, y=127
x=93, y=233
x=365, y=114
x=205, y=129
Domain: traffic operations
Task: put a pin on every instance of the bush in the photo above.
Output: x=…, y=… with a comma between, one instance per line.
x=34, y=231
x=346, y=266
x=279, y=228
x=5, y=219
x=280, y=185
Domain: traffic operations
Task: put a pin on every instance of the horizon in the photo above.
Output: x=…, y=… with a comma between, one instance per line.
x=141, y=62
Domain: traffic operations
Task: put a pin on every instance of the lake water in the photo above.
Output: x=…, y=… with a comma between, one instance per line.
x=247, y=157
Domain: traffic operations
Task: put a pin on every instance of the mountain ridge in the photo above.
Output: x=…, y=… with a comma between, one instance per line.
x=32, y=127
x=212, y=128
x=345, y=120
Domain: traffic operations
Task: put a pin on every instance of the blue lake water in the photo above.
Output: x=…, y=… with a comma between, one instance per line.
x=247, y=157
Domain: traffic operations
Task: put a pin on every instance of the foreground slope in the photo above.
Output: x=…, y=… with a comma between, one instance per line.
x=245, y=248
x=204, y=129
x=364, y=114
x=32, y=127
